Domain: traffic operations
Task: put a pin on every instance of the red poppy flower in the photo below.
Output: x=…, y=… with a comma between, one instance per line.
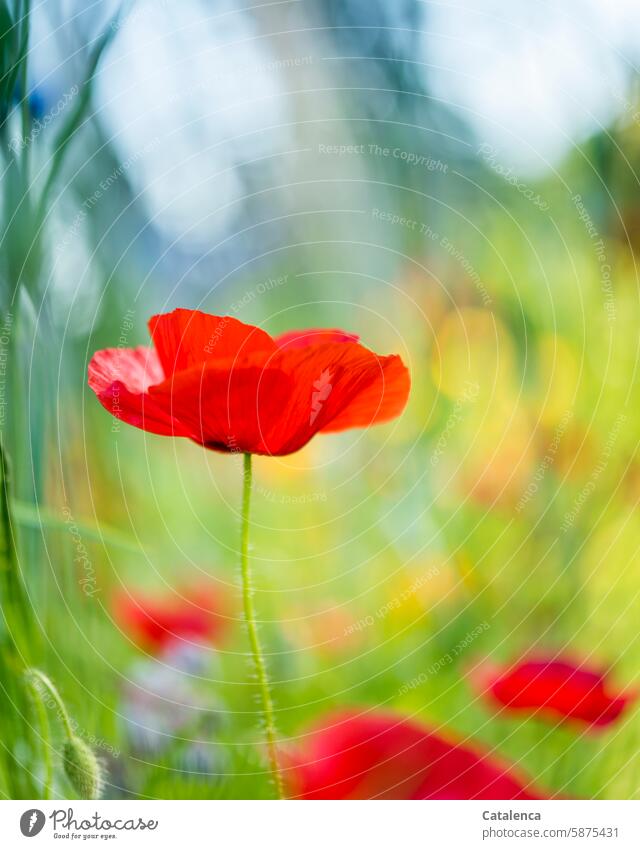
x=380, y=755
x=193, y=615
x=231, y=387
x=555, y=687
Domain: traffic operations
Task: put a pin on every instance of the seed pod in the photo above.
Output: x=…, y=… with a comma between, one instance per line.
x=82, y=768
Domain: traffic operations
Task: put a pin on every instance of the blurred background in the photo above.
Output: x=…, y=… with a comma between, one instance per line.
x=456, y=183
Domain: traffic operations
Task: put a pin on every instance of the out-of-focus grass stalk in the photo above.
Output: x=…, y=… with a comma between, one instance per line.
x=74, y=122
x=24, y=89
x=16, y=628
x=25, y=215
x=17, y=733
x=28, y=516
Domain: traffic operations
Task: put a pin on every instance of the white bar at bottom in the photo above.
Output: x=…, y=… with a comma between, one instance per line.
x=321, y=825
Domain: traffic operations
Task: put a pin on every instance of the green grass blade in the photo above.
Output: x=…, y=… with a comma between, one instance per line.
x=30, y=516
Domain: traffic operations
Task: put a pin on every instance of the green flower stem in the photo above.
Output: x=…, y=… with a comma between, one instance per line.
x=39, y=678
x=252, y=628
x=45, y=730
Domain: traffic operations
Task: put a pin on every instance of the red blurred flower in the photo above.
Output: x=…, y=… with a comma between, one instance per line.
x=157, y=621
x=231, y=387
x=555, y=687
x=380, y=755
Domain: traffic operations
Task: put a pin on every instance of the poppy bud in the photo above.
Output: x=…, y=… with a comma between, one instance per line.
x=82, y=768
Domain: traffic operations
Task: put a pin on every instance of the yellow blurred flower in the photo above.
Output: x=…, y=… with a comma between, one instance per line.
x=472, y=347
x=498, y=454
x=326, y=628
x=418, y=589
x=557, y=379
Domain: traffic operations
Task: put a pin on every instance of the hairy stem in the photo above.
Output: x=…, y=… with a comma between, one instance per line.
x=252, y=628
x=39, y=679
x=45, y=731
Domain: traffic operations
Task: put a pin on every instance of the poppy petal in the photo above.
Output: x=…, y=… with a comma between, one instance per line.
x=313, y=336
x=276, y=407
x=121, y=377
x=192, y=615
x=336, y=387
x=381, y=400
x=379, y=755
x=231, y=387
x=185, y=338
x=226, y=408
x=551, y=686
